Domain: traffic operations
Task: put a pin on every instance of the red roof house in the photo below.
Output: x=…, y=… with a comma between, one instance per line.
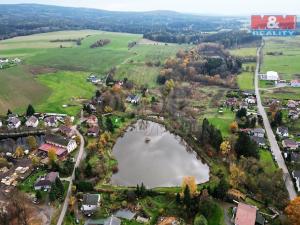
x=245, y=215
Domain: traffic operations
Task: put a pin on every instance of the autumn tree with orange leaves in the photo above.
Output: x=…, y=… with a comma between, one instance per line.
x=293, y=211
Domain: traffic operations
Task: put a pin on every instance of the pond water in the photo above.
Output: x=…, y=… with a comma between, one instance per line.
x=150, y=154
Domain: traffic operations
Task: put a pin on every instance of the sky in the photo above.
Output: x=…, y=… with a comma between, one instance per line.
x=221, y=7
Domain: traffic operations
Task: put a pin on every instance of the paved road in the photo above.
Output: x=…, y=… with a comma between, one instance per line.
x=273, y=143
x=80, y=156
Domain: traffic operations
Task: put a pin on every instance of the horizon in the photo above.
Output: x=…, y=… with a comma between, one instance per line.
x=213, y=8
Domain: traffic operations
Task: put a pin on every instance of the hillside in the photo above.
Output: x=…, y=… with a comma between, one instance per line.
x=44, y=18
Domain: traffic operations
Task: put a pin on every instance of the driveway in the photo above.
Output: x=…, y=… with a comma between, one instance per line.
x=273, y=143
x=79, y=157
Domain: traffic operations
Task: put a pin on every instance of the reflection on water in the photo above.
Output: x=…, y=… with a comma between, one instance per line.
x=161, y=162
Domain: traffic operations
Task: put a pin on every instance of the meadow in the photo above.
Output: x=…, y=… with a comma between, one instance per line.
x=19, y=86
x=287, y=64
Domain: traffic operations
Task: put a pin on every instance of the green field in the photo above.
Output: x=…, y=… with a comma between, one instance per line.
x=266, y=160
x=247, y=51
x=19, y=86
x=287, y=64
x=222, y=121
x=67, y=88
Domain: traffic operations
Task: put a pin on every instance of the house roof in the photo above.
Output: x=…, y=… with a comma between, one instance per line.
x=32, y=119
x=57, y=139
x=47, y=180
x=258, y=130
x=260, y=220
x=282, y=130
x=295, y=81
x=112, y=220
x=125, y=214
x=258, y=140
x=13, y=120
x=95, y=222
x=91, y=199
x=94, y=130
x=50, y=119
x=296, y=173
x=65, y=129
x=46, y=148
x=295, y=156
x=289, y=143
x=245, y=215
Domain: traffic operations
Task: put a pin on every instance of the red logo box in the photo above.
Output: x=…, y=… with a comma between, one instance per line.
x=271, y=22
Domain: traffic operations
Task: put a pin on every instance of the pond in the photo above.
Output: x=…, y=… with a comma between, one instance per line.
x=150, y=154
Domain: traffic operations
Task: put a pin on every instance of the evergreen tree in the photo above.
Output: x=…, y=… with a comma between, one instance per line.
x=109, y=125
x=30, y=110
x=278, y=118
x=187, y=197
x=178, y=200
x=98, y=93
x=245, y=146
x=9, y=112
x=241, y=113
x=221, y=189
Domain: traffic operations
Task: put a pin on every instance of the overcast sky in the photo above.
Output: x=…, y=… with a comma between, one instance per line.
x=229, y=7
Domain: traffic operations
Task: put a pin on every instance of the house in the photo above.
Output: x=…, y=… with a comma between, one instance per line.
x=293, y=114
x=61, y=145
x=289, y=144
x=13, y=122
x=125, y=214
x=295, y=157
x=1, y=123
x=260, y=141
x=93, y=131
x=231, y=102
x=16, y=60
x=45, y=182
x=67, y=131
x=258, y=132
x=50, y=121
x=291, y=104
x=282, y=131
x=90, y=203
x=251, y=100
x=32, y=122
x=134, y=99
x=112, y=220
x=296, y=176
x=295, y=83
x=270, y=75
x=92, y=121
x=168, y=221
x=247, y=215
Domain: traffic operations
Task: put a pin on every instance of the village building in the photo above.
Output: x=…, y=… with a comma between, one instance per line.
x=1, y=124
x=51, y=121
x=270, y=75
x=295, y=157
x=13, y=122
x=296, y=176
x=289, y=144
x=282, y=131
x=133, y=99
x=61, y=145
x=125, y=214
x=260, y=141
x=45, y=182
x=67, y=131
x=231, y=102
x=247, y=215
x=92, y=121
x=295, y=83
x=258, y=132
x=32, y=122
x=90, y=203
x=112, y=220
x=93, y=131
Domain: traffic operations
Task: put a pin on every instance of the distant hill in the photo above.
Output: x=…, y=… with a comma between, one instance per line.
x=24, y=19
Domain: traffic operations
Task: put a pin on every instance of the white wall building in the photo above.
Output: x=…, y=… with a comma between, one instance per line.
x=270, y=75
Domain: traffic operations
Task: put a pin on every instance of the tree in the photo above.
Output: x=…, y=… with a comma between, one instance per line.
x=72, y=202
x=234, y=127
x=237, y=176
x=32, y=143
x=245, y=146
x=169, y=85
x=109, y=125
x=19, y=152
x=178, y=200
x=108, y=109
x=30, y=110
x=293, y=211
x=98, y=93
x=35, y=160
x=241, y=113
x=187, y=197
x=225, y=147
x=278, y=118
x=222, y=188
x=189, y=181
x=52, y=155
x=200, y=220
x=9, y=112
x=38, y=195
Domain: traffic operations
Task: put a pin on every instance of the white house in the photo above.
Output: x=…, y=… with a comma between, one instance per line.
x=270, y=75
x=32, y=122
x=90, y=203
x=13, y=123
x=295, y=83
x=296, y=176
x=50, y=121
x=282, y=131
x=258, y=132
x=1, y=123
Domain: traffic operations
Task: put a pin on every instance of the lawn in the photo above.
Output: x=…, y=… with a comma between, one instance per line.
x=18, y=88
x=287, y=64
x=266, y=160
x=281, y=93
x=222, y=121
x=67, y=88
x=246, y=81
x=247, y=51
x=27, y=184
x=217, y=216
